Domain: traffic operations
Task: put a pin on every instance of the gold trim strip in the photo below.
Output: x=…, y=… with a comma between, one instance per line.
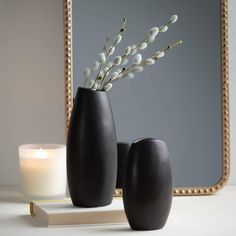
x=225, y=98
x=68, y=59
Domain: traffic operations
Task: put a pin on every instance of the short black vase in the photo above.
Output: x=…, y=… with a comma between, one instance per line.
x=91, y=150
x=147, y=189
x=122, y=150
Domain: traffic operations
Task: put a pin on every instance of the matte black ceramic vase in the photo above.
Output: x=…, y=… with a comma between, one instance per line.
x=147, y=189
x=122, y=150
x=91, y=150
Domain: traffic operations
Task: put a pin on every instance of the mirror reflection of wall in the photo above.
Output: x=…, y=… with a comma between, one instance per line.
x=179, y=98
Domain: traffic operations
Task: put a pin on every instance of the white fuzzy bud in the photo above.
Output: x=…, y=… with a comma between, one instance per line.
x=149, y=61
x=114, y=75
x=127, y=51
x=117, y=60
x=153, y=31
x=137, y=59
x=124, y=61
x=173, y=19
x=143, y=46
x=112, y=50
x=95, y=86
x=91, y=83
x=106, y=70
x=96, y=65
x=159, y=55
x=102, y=58
x=164, y=29
x=87, y=72
x=130, y=75
x=118, y=39
x=137, y=69
x=110, y=64
x=108, y=86
x=134, y=49
x=150, y=39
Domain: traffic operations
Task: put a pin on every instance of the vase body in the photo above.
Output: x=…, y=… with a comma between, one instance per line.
x=122, y=151
x=91, y=150
x=147, y=188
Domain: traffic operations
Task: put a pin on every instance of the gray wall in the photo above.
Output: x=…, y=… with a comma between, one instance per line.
x=31, y=78
x=32, y=81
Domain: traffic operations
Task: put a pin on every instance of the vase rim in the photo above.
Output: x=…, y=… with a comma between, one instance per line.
x=91, y=90
x=140, y=140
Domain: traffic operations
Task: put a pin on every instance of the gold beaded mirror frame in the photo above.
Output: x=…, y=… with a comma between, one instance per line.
x=224, y=97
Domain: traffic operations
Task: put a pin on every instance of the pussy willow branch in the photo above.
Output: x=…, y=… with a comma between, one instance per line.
x=126, y=71
x=146, y=38
x=101, y=85
x=136, y=48
x=108, y=52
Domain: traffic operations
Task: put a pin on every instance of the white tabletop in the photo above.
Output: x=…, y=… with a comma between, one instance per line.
x=201, y=216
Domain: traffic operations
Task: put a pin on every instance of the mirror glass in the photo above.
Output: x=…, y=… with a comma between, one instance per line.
x=179, y=99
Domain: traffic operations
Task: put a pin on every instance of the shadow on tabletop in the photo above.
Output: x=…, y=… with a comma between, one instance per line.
x=30, y=221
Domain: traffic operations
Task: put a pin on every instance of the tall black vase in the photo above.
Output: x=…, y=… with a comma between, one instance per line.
x=147, y=189
x=91, y=150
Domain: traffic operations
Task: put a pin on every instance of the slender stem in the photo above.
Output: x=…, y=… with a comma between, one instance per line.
x=126, y=71
x=97, y=75
x=107, y=54
x=100, y=67
x=103, y=48
x=101, y=85
x=145, y=39
x=171, y=46
x=110, y=81
x=124, y=56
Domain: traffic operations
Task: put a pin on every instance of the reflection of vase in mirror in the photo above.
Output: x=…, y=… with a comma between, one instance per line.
x=91, y=150
x=122, y=155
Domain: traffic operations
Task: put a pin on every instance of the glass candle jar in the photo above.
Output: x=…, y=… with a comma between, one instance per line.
x=42, y=171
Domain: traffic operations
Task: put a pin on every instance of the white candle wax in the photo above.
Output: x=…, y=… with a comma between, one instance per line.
x=42, y=171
